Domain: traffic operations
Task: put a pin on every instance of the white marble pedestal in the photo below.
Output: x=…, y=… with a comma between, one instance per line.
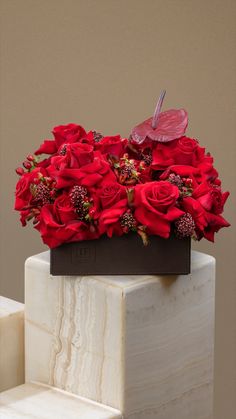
x=140, y=344
x=11, y=343
x=37, y=401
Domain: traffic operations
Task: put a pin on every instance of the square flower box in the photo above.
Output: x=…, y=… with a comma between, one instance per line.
x=124, y=255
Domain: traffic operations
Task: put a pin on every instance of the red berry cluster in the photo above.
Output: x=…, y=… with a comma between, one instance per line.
x=80, y=201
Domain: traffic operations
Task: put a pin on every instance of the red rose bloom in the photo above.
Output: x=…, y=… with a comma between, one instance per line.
x=188, y=152
x=54, y=232
x=210, y=197
x=63, y=134
x=70, y=133
x=24, y=216
x=182, y=152
x=90, y=175
x=114, y=203
x=64, y=209
x=76, y=155
x=214, y=224
x=79, y=165
x=155, y=206
x=203, y=172
x=163, y=155
x=23, y=193
x=182, y=171
x=193, y=207
x=111, y=193
x=145, y=175
x=207, y=171
x=114, y=145
x=45, y=162
x=204, y=207
x=79, y=155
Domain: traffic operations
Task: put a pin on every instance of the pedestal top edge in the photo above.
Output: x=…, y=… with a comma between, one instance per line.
x=41, y=262
x=9, y=307
x=36, y=400
x=74, y=396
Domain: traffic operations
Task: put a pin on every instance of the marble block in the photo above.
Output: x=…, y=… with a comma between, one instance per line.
x=141, y=344
x=44, y=402
x=11, y=343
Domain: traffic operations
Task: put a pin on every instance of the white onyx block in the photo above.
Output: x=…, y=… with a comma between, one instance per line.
x=44, y=402
x=11, y=343
x=141, y=344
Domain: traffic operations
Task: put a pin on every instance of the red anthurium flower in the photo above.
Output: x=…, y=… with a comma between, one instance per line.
x=163, y=126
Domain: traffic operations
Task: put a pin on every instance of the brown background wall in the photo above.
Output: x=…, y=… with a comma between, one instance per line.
x=103, y=64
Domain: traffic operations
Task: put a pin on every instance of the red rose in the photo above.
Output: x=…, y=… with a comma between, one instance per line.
x=114, y=204
x=47, y=147
x=184, y=151
x=207, y=171
x=187, y=172
x=44, y=163
x=64, y=209
x=54, y=232
x=79, y=154
x=76, y=155
x=112, y=145
x=203, y=172
x=188, y=152
x=148, y=144
x=183, y=171
x=155, y=206
x=70, y=133
x=210, y=197
x=23, y=193
x=145, y=175
x=205, y=206
x=163, y=155
x=193, y=207
x=90, y=175
x=186, y=145
x=90, y=138
x=214, y=224
x=111, y=193
x=24, y=216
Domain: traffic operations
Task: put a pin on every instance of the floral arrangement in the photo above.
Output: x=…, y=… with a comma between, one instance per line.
x=157, y=182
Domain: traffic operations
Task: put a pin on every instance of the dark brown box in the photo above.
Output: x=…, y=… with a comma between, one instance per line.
x=124, y=255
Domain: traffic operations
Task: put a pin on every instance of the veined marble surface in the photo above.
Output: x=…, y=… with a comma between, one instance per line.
x=141, y=344
x=9, y=307
x=43, y=402
x=11, y=343
x=74, y=333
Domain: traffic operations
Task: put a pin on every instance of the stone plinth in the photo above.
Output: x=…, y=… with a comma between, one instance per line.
x=43, y=402
x=11, y=343
x=141, y=344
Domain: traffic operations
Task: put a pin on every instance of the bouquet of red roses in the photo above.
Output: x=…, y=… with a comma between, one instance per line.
x=157, y=182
